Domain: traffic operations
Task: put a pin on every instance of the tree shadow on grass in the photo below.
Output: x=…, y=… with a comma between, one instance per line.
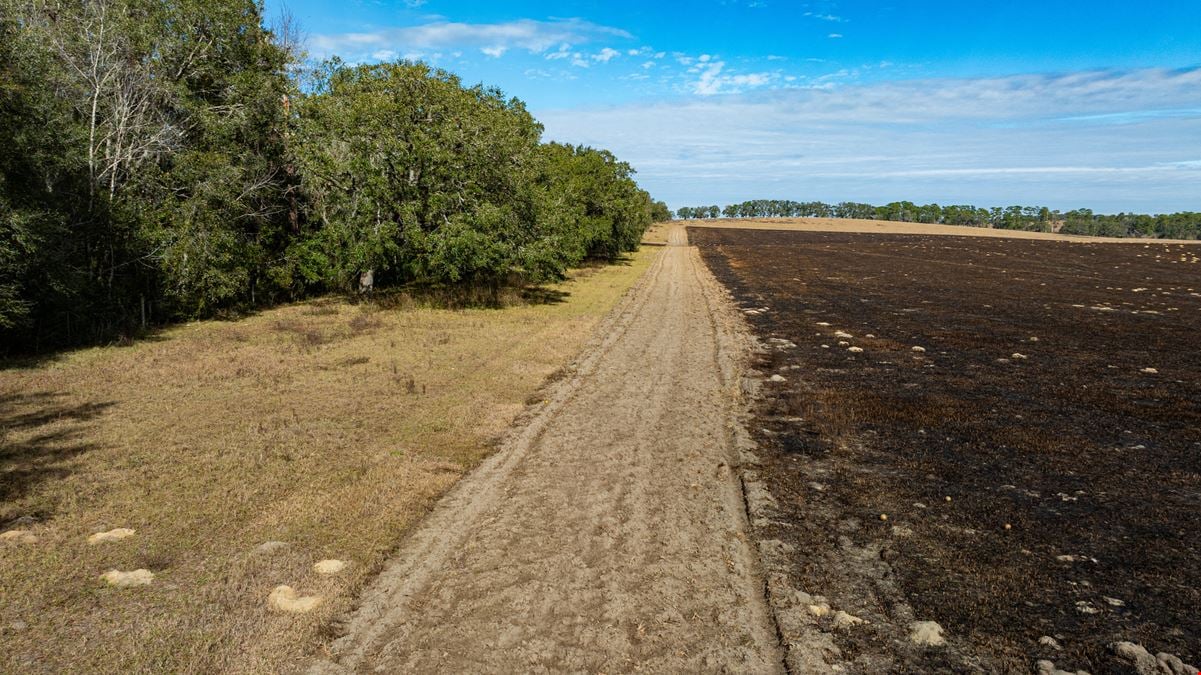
x=39, y=436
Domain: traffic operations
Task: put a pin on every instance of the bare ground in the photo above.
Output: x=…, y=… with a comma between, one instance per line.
x=992, y=434
x=609, y=533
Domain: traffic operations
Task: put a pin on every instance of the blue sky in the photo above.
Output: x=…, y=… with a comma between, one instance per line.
x=1065, y=104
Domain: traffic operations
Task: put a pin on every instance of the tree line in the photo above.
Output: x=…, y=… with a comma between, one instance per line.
x=168, y=161
x=1184, y=225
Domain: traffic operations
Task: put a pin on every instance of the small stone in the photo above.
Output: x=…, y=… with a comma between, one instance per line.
x=1086, y=607
x=919, y=350
x=328, y=567
x=844, y=620
x=1018, y=356
x=948, y=498
x=1150, y=371
x=883, y=516
x=777, y=378
x=819, y=610
x=1046, y=667
x=855, y=350
x=1008, y=526
x=1048, y=641
x=138, y=577
x=926, y=633
x=112, y=535
x=1114, y=602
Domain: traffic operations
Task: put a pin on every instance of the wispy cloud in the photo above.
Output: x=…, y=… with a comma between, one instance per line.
x=606, y=55
x=495, y=38
x=1045, y=139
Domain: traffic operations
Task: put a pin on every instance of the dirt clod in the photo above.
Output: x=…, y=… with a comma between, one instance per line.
x=138, y=577
x=116, y=534
x=285, y=599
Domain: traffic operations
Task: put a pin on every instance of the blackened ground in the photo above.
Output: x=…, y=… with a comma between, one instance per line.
x=1031, y=407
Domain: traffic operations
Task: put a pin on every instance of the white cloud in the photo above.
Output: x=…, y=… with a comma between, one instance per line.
x=605, y=55
x=825, y=17
x=495, y=51
x=1025, y=139
x=530, y=35
x=712, y=78
x=564, y=51
x=834, y=35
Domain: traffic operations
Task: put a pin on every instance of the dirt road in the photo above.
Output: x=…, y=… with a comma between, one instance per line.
x=609, y=534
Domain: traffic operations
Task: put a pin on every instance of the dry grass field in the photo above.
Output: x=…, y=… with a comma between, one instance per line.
x=326, y=426
x=998, y=435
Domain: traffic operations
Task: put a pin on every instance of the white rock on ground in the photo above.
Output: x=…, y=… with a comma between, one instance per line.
x=844, y=620
x=285, y=599
x=1048, y=641
x=138, y=577
x=112, y=535
x=919, y=350
x=777, y=378
x=1144, y=663
x=1046, y=667
x=18, y=537
x=329, y=566
x=926, y=633
x=855, y=350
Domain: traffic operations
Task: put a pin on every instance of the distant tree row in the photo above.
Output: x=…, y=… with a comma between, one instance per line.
x=163, y=161
x=1186, y=225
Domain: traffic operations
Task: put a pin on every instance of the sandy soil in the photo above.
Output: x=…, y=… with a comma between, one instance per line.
x=609, y=533
x=892, y=227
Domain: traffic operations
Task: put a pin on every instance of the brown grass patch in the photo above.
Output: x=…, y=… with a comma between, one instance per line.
x=330, y=426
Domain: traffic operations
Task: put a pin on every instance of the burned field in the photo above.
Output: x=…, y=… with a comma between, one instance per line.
x=1015, y=452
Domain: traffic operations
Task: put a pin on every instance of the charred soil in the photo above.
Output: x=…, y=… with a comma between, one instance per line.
x=998, y=435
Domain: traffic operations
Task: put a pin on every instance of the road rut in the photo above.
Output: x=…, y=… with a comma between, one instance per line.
x=609, y=533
